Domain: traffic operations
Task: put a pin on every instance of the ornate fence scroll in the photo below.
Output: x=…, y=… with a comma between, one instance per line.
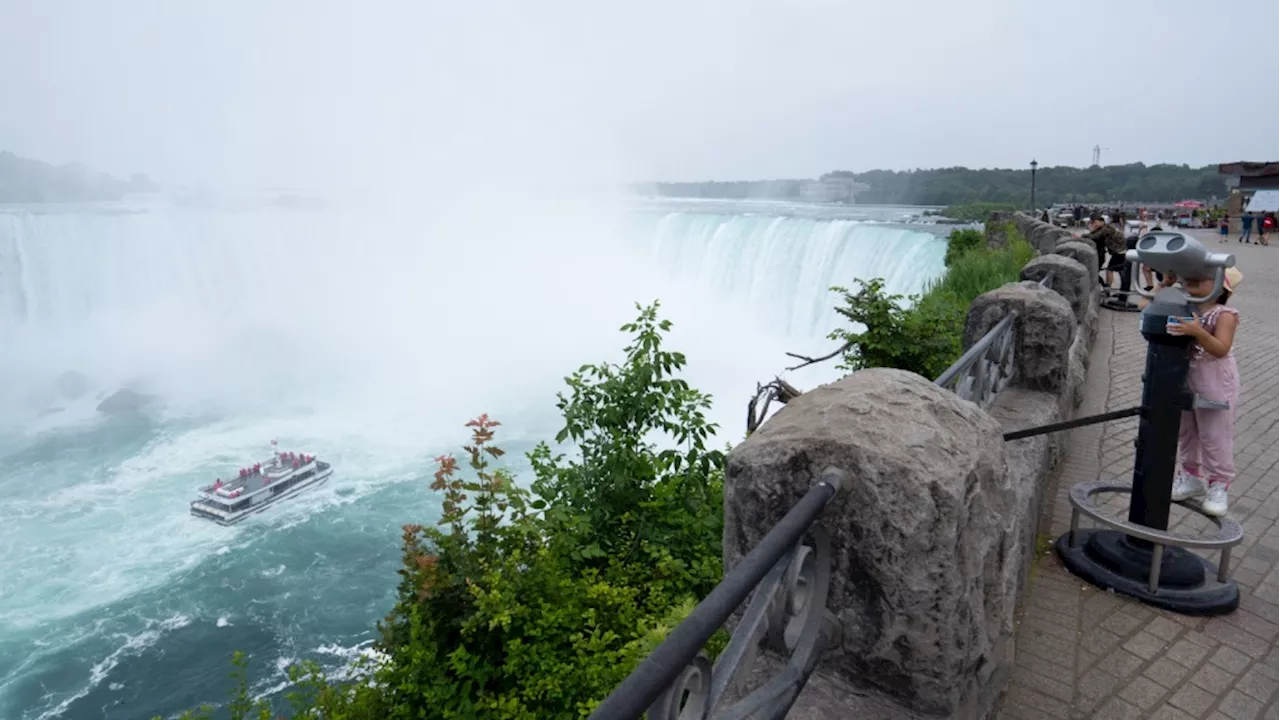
x=986, y=368
x=787, y=580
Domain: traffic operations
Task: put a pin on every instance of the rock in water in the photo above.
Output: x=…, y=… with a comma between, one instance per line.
x=125, y=401
x=929, y=546
x=73, y=385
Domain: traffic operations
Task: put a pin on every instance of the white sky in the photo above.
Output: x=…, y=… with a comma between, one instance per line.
x=335, y=94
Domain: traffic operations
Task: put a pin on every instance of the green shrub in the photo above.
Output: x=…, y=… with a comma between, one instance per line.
x=547, y=599
x=962, y=241
x=981, y=269
x=923, y=333
x=536, y=603
x=977, y=211
x=896, y=335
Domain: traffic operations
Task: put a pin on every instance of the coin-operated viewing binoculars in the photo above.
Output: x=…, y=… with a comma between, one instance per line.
x=1140, y=557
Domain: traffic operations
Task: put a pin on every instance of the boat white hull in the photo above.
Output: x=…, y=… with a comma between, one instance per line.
x=223, y=517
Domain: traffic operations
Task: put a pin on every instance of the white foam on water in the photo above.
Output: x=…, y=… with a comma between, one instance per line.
x=136, y=515
x=133, y=645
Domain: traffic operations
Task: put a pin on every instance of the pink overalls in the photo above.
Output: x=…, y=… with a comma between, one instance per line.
x=1205, y=437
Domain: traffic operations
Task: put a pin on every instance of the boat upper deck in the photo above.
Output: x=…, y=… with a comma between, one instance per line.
x=258, y=477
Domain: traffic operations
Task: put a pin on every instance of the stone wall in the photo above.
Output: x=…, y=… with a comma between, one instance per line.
x=933, y=544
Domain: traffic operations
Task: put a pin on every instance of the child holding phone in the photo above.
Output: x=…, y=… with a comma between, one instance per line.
x=1206, y=437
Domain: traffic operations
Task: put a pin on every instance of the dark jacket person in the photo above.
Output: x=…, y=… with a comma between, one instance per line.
x=1106, y=239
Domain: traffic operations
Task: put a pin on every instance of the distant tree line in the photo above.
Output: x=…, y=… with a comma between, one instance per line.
x=1136, y=182
x=32, y=181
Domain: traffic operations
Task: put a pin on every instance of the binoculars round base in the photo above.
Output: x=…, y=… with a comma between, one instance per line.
x=1183, y=582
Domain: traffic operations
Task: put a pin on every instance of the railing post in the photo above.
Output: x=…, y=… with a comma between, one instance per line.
x=968, y=376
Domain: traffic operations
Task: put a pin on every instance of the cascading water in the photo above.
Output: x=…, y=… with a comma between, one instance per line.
x=783, y=267
x=363, y=337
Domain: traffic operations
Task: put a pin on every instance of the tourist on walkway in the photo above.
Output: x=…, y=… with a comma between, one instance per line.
x=1246, y=228
x=1106, y=239
x=1205, y=438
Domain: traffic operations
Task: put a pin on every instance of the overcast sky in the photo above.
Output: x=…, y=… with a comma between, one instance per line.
x=325, y=94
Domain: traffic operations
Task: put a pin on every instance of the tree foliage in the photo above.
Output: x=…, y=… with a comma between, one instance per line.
x=961, y=242
x=1134, y=182
x=536, y=602
x=898, y=332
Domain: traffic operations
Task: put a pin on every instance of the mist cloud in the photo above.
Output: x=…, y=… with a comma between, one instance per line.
x=437, y=96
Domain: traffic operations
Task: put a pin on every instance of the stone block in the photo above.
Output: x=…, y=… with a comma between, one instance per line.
x=1045, y=237
x=1025, y=223
x=1071, y=280
x=1043, y=332
x=1077, y=369
x=996, y=232
x=1082, y=252
x=1030, y=460
x=928, y=543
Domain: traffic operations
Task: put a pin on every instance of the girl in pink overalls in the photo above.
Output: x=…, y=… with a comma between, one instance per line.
x=1205, y=439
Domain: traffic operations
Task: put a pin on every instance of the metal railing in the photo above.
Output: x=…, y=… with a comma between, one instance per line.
x=986, y=367
x=787, y=581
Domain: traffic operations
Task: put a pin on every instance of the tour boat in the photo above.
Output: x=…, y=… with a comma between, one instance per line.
x=259, y=486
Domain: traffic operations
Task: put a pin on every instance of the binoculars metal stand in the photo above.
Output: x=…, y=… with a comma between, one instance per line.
x=1140, y=557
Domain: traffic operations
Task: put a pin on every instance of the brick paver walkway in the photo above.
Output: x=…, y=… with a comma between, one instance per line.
x=1086, y=653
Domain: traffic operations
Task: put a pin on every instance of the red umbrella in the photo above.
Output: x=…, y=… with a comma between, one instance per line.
x=1189, y=204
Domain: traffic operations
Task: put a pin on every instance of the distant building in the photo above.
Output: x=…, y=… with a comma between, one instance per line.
x=835, y=189
x=1243, y=180
x=1250, y=176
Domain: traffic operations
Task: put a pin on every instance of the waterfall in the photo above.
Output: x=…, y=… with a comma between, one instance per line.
x=238, y=304
x=782, y=267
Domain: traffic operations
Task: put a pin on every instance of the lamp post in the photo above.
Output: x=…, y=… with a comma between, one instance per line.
x=1033, y=186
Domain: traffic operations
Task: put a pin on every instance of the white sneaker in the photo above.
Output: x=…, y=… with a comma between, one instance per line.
x=1186, y=485
x=1215, y=501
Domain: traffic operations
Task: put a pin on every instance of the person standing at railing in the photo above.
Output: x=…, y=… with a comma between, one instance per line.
x=1106, y=239
x=1206, y=436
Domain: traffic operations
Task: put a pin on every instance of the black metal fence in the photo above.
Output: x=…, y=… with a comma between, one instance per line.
x=987, y=367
